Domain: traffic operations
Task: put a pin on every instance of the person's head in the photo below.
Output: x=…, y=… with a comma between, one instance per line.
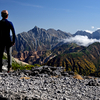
x=4, y=14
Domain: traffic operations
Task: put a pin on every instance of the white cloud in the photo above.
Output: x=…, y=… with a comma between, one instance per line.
x=92, y=27
x=88, y=31
x=80, y=40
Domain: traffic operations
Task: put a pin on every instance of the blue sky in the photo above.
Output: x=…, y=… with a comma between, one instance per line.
x=66, y=15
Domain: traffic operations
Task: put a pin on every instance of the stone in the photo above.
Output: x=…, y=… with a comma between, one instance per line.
x=24, y=85
x=65, y=74
x=53, y=68
x=93, y=83
x=88, y=77
x=70, y=72
x=25, y=78
x=78, y=77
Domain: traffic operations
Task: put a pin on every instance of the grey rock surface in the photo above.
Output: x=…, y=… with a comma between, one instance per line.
x=47, y=83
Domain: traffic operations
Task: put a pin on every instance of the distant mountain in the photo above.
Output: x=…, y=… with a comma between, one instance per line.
x=94, y=35
x=83, y=33
x=83, y=60
x=38, y=39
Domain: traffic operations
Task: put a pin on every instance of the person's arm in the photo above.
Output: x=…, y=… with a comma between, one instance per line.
x=13, y=34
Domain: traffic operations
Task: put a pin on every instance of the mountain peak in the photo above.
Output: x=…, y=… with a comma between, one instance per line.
x=36, y=27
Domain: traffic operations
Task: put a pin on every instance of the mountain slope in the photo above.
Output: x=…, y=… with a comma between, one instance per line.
x=94, y=53
x=49, y=54
x=84, y=60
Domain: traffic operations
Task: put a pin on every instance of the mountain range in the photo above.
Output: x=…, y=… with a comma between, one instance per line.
x=45, y=47
x=94, y=35
x=38, y=39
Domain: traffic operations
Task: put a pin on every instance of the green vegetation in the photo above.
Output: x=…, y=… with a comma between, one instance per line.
x=86, y=52
x=16, y=66
x=20, y=66
x=76, y=54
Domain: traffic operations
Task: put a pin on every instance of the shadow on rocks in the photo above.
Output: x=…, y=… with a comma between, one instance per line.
x=2, y=98
x=93, y=82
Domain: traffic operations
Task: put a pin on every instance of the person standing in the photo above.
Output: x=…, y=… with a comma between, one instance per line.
x=5, y=39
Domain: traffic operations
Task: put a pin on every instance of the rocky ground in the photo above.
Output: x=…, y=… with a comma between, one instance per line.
x=48, y=83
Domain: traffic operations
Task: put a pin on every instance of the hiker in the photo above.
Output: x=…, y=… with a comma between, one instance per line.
x=5, y=39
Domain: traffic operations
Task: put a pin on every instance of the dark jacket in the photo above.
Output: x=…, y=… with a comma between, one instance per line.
x=5, y=38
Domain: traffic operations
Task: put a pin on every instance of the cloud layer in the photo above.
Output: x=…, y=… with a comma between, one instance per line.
x=89, y=31
x=81, y=40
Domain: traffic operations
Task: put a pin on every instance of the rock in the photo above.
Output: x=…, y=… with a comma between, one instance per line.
x=93, y=82
x=70, y=72
x=25, y=78
x=88, y=77
x=34, y=73
x=78, y=77
x=53, y=68
x=2, y=98
x=56, y=73
x=65, y=74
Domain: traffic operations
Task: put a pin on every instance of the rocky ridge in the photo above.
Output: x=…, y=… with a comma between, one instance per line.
x=38, y=39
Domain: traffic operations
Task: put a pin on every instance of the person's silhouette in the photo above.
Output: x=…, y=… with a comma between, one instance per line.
x=5, y=39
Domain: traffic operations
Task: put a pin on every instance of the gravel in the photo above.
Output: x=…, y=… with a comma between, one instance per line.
x=46, y=83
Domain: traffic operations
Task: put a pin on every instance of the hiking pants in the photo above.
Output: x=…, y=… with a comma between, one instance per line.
x=9, y=55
